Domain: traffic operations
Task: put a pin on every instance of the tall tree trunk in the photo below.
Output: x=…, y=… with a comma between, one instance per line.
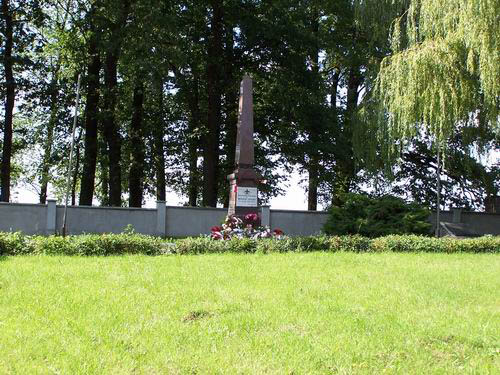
x=231, y=118
x=5, y=168
x=353, y=82
x=77, y=169
x=345, y=170
x=193, y=140
x=104, y=163
x=312, y=191
x=335, y=123
x=137, y=142
x=54, y=108
x=91, y=121
x=47, y=153
x=315, y=126
x=110, y=129
x=159, y=145
x=334, y=93
x=214, y=83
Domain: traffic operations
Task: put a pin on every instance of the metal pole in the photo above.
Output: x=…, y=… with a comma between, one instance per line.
x=438, y=209
x=70, y=164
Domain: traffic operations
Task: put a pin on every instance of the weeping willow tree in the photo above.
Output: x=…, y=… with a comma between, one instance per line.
x=442, y=76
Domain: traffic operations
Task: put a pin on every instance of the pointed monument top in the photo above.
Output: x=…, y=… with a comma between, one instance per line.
x=244, y=140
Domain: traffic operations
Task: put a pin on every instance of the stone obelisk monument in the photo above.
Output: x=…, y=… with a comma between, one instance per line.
x=243, y=181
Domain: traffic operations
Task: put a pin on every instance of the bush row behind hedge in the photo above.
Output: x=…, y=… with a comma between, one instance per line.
x=117, y=244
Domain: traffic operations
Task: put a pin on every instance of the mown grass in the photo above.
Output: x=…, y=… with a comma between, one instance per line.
x=321, y=313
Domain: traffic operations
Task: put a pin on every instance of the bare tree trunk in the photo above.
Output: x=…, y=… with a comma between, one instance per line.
x=104, y=163
x=334, y=93
x=77, y=169
x=137, y=142
x=159, y=145
x=312, y=191
x=231, y=95
x=110, y=129
x=315, y=126
x=5, y=168
x=194, y=141
x=47, y=154
x=214, y=83
x=91, y=122
x=335, y=122
x=354, y=80
x=345, y=168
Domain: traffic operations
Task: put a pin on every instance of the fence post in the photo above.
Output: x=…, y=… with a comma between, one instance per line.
x=51, y=216
x=161, y=216
x=265, y=216
x=457, y=215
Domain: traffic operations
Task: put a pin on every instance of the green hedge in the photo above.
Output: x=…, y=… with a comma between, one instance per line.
x=376, y=217
x=117, y=244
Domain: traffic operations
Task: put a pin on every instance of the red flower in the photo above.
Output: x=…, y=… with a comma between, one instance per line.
x=217, y=236
x=251, y=217
x=216, y=229
x=278, y=232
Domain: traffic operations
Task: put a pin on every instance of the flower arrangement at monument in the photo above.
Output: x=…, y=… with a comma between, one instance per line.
x=247, y=226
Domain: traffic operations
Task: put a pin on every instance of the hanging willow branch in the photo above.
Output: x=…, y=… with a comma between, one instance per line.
x=444, y=72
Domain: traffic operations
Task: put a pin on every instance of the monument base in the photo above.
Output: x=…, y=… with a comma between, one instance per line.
x=243, y=193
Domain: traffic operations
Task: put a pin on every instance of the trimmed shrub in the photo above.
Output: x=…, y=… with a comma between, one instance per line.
x=53, y=245
x=356, y=243
x=376, y=217
x=408, y=243
x=289, y=244
x=412, y=243
x=310, y=243
x=205, y=245
x=118, y=244
x=89, y=244
x=485, y=244
x=14, y=244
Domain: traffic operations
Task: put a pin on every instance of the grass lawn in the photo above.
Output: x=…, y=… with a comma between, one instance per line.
x=340, y=313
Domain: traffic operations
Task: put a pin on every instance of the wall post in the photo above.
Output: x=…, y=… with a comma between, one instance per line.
x=51, y=217
x=161, y=217
x=265, y=216
x=457, y=215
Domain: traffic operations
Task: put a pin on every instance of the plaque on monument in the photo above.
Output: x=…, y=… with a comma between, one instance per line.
x=246, y=197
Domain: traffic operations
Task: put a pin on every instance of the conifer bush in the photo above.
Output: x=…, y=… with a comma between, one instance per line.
x=375, y=217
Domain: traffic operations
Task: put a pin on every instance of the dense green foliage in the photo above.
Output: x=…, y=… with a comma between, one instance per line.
x=376, y=216
x=160, y=86
x=294, y=313
x=442, y=75
x=120, y=244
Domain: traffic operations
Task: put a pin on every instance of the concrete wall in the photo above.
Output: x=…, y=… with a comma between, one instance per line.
x=27, y=218
x=182, y=221
x=298, y=223
x=192, y=221
x=106, y=220
x=480, y=222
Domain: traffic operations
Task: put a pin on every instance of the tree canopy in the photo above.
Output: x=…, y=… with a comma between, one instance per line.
x=342, y=89
x=443, y=73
